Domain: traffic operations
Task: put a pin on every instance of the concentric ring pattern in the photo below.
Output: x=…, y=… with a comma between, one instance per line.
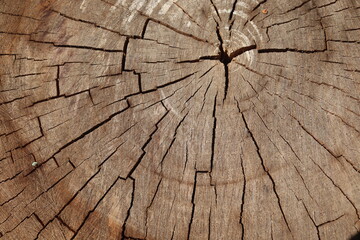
x=179, y=119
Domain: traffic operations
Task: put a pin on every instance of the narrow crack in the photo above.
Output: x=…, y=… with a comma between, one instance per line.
x=76, y=46
x=242, y=201
x=232, y=10
x=259, y=4
x=94, y=208
x=57, y=80
x=144, y=28
x=226, y=58
x=149, y=206
x=338, y=187
x=123, y=61
x=312, y=219
x=215, y=8
x=67, y=203
x=193, y=205
x=145, y=145
x=173, y=140
x=213, y=136
x=123, y=229
x=65, y=224
x=266, y=171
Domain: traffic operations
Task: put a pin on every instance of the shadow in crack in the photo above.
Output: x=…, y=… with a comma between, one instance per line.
x=355, y=237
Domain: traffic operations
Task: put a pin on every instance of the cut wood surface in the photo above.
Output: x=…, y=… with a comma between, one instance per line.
x=179, y=119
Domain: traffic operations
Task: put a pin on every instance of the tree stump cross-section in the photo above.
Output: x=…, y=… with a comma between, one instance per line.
x=179, y=119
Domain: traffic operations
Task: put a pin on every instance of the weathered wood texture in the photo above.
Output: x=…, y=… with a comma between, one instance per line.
x=179, y=119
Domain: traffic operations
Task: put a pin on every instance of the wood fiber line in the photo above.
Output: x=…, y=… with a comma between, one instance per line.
x=167, y=119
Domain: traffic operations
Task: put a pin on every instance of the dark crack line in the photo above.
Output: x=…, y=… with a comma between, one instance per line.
x=173, y=140
x=327, y=4
x=296, y=169
x=11, y=178
x=252, y=87
x=161, y=101
x=123, y=229
x=242, y=199
x=186, y=157
x=313, y=137
x=335, y=185
x=253, y=71
x=15, y=33
x=312, y=220
x=296, y=7
x=111, y=154
x=145, y=145
x=259, y=4
x=123, y=61
x=60, y=96
x=192, y=95
x=209, y=227
x=204, y=97
x=17, y=225
x=149, y=206
x=342, y=120
x=168, y=84
x=225, y=59
x=65, y=225
x=39, y=220
x=94, y=24
x=144, y=28
x=29, y=74
x=276, y=50
x=57, y=80
x=96, y=205
x=330, y=221
x=213, y=57
x=351, y=164
x=165, y=44
x=213, y=136
x=226, y=69
x=12, y=198
x=18, y=15
x=215, y=8
x=173, y=232
x=173, y=28
x=66, y=204
x=266, y=171
x=241, y=51
x=52, y=186
x=76, y=46
x=232, y=10
x=14, y=100
x=83, y=135
x=187, y=14
x=207, y=71
x=193, y=205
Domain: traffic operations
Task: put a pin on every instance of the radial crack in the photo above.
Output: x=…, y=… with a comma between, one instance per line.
x=146, y=143
x=335, y=185
x=213, y=136
x=266, y=171
x=123, y=229
x=96, y=205
x=173, y=140
x=193, y=205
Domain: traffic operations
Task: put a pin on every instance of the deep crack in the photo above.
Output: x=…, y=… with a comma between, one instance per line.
x=226, y=58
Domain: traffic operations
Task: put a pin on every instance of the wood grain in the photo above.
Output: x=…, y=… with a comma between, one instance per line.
x=169, y=119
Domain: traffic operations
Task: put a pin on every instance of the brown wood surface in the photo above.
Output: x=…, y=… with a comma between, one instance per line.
x=179, y=119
